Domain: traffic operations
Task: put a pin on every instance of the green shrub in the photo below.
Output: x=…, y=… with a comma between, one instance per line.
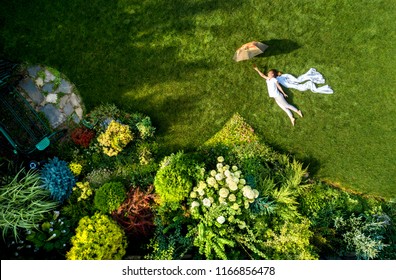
x=145, y=128
x=109, y=197
x=290, y=242
x=24, y=202
x=175, y=178
x=361, y=236
x=97, y=238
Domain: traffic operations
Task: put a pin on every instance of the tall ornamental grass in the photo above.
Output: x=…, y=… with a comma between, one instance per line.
x=23, y=203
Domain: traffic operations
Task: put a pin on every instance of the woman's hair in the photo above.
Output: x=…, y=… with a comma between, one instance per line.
x=276, y=72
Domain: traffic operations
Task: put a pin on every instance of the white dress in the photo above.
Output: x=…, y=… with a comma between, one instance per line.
x=278, y=96
x=311, y=78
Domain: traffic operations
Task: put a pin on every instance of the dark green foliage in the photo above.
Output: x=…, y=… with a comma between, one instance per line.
x=53, y=235
x=170, y=241
x=58, y=179
x=175, y=178
x=109, y=197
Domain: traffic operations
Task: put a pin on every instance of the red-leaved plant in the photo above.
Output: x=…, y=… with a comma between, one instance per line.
x=82, y=136
x=135, y=214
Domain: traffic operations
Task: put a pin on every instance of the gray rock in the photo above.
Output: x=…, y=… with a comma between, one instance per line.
x=68, y=109
x=32, y=91
x=54, y=116
x=63, y=101
x=76, y=119
x=79, y=112
x=51, y=98
x=49, y=87
x=74, y=100
x=33, y=70
x=49, y=77
x=64, y=87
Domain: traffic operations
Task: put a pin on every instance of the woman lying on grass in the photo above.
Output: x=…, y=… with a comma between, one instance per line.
x=275, y=91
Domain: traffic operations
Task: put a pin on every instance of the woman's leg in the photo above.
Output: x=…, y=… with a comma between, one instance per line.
x=286, y=107
x=283, y=104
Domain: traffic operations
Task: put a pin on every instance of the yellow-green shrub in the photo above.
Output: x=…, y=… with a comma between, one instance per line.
x=115, y=138
x=98, y=238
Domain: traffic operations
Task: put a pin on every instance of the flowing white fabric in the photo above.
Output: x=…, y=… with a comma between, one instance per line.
x=311, y=78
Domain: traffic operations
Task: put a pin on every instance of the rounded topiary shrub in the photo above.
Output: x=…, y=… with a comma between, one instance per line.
x=175, y=178
x=109, y=197
x=97, y=238
x=58, y=179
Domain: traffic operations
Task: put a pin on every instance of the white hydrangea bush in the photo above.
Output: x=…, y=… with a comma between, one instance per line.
x=223, y=198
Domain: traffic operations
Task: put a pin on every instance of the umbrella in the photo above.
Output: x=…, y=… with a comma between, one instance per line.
x=248, y=50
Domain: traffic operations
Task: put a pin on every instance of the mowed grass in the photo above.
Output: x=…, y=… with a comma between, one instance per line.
x=173, y=61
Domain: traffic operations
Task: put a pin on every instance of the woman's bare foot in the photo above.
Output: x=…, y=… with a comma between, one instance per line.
x=300, y=113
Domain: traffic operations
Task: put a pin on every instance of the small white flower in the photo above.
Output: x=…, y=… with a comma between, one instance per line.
x=220, y=159
x=213, y=173
x=242, y=181
x=193, y=194
x=206, y=202
x=194, y=204
x=219, y=166
x=219, y=177
x=233, y=186
x=51, y=229
x=201, y=192
x=220, y=220
x=227, y=173
x=232, y=197
x=223, y=192
x=234, y=168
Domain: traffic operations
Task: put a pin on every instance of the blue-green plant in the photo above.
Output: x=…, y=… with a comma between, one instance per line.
x=362, y=235
x=58, y=179
x=23, y=203
x=98, y=238
x=109, y=197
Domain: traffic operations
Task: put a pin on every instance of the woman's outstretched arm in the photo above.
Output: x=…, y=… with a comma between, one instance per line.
x=260, y=73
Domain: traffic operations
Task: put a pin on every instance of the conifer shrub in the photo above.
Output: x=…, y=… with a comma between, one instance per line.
x=97, y=238
x=58, y=179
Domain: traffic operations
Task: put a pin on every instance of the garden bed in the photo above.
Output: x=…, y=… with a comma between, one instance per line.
x=233, y=198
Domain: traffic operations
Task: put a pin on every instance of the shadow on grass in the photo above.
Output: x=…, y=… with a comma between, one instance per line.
x=105, y=47
x=278, y=47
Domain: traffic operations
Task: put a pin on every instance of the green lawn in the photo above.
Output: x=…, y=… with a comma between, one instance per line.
x=173, y=61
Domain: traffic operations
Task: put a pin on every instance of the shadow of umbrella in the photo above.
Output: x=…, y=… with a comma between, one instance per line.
x=279, y=46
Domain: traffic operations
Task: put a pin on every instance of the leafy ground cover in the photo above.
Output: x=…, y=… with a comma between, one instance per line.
x=173, y=61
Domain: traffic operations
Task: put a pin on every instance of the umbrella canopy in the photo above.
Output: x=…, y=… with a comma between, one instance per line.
x=249, y=50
